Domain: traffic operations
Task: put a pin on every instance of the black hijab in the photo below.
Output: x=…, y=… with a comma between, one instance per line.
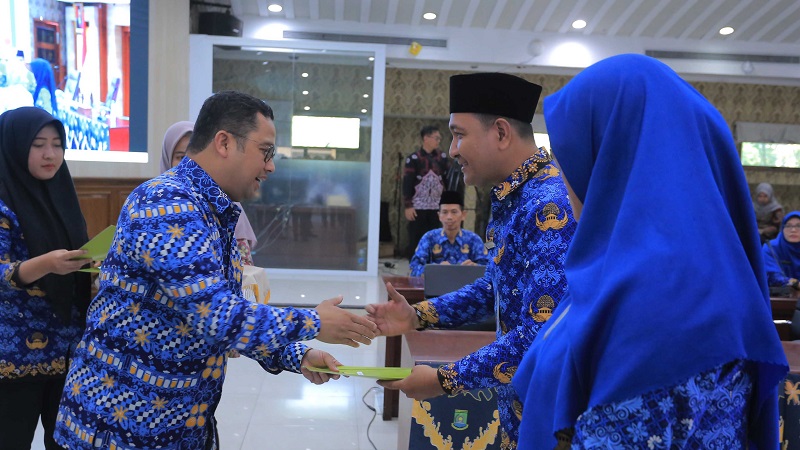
x=48, y=211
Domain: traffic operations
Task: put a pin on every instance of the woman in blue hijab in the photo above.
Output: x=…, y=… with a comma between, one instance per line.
x=782, y=254
x=45, y=79
x=665, y=337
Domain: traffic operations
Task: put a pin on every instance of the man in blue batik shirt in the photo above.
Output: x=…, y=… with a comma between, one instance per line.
x=450, y=244
x=148, y=371
x=527, y=238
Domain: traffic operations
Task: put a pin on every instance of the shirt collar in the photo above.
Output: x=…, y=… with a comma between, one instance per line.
x=443, y=234
x=522, y=174
x=205, y=185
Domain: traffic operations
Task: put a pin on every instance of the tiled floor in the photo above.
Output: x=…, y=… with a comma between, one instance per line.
x=285, y=411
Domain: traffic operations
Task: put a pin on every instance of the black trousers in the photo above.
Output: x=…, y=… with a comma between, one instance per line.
x=427, y=220
x=21, y=405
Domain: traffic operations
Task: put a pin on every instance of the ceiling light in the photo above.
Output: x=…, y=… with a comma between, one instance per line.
x=366, y=95
x=305, y=92
x=304, y=74
x=578, y=24
x=371, y=58
x=363, y=111
x=725, y=31
x=275, y=7
x=306, y=108
x=265, y=63
x=369, y=78
x=429, y=16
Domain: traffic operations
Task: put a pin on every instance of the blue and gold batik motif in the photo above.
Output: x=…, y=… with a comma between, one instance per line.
x=436, y=248
x=148, y=372
x=34, y=343
x=531, y=228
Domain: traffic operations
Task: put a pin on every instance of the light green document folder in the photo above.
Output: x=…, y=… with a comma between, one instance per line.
x=381, y=373
x=97, y=247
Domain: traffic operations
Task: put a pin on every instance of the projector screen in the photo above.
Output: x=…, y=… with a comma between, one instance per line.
x=81, y=62
x=325, y=132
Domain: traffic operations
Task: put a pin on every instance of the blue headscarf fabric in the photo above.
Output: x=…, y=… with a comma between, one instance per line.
x=665, y=273
x=43, y=73
x=786, y=258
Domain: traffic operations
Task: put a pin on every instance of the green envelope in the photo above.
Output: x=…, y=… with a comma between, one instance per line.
x=381, y=373
x=98, y=246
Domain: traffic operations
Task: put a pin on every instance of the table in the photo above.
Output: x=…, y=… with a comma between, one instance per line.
x=782, y=313
x=436, y=347
x=413, y=289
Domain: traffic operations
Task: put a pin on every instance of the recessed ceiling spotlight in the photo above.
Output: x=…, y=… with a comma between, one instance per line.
x=371, y=58
x=369, y=78
x=306, y=108
x=726, y=31
x=275, y=7
x=429, y=16
x=265, y=63
x=304, y=74
x=578, y=24
x=366, y=95
x=363, y=111
x=305, y=92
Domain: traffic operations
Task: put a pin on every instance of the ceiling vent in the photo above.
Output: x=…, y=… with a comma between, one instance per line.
x=364, y=39
x=781, y=59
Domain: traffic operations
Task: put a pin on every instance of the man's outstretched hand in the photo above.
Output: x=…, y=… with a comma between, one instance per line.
x=394, y=317
x=343, y=327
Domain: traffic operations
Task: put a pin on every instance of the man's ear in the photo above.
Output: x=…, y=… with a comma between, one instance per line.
x=223, y=144
x=503, y=132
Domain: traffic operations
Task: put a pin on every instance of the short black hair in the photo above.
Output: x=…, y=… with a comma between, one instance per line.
x=232, y=111
x=524, y=130
x=428, y=130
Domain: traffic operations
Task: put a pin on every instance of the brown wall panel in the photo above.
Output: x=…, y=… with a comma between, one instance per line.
x=101, y=200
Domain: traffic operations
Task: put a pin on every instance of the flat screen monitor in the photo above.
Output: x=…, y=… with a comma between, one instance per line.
x=325, y=132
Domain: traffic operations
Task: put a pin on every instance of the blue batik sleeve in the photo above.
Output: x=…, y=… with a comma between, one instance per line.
x=182, y=249
x=421, y=256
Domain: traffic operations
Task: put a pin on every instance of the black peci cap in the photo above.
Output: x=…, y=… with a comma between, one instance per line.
x=494, y=93
x=452, y=198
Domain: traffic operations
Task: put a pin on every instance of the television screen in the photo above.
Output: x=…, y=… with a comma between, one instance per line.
x=81, y=62
x=325, y=132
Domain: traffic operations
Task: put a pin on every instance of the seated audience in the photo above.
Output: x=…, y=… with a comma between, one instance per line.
x=782, y=254
x=769, y=212
x=450, y=244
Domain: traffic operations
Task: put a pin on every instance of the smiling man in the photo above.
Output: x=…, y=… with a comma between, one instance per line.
x=148, y=372
x=531, y=228
x=450, y=244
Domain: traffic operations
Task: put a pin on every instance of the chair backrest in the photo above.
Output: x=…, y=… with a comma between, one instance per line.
x=443, y=278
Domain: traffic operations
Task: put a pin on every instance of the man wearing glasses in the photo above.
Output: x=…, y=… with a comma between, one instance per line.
x=148, y=371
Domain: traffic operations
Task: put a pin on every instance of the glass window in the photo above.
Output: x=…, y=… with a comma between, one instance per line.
x=313, y=212
x=767, y=154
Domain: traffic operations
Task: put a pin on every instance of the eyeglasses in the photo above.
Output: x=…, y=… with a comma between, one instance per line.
x=268, y=152
x=793, y=227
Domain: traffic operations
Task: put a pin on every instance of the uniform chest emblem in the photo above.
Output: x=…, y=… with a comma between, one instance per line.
x=551, y=221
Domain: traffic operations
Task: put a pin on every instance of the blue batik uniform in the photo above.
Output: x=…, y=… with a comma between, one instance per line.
x=531, y=228
x=665, y=337
x=34, y=342
x=781, y=257
x=148, y=372
x=435, y=248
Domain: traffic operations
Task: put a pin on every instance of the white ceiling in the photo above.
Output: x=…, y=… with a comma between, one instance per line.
x=527, y=33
